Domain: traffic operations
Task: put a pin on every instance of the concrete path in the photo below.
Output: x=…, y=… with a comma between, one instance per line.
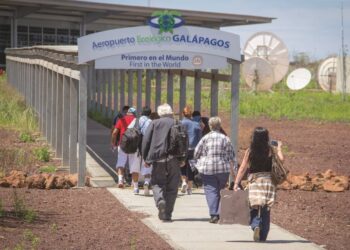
x=190, y=228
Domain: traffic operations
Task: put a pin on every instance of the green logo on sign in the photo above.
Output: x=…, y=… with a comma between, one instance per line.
x=166, y=20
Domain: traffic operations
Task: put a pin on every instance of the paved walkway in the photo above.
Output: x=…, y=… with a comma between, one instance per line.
x=190, y=228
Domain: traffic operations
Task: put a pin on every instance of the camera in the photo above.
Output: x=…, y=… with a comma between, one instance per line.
x=274, y=143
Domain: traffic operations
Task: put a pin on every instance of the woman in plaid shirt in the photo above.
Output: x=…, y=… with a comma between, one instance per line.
x=216, y=158
x=262, y=192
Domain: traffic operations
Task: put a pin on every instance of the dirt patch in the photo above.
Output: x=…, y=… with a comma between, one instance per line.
x=76, y=219
x=17, y=155
x=321, y=217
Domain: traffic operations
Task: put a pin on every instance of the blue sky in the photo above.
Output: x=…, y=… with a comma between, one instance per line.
x=311, y=26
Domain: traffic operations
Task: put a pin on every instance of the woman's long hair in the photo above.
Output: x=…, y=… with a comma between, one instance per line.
x=259, y=147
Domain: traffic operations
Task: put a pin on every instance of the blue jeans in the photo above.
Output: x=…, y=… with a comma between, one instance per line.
x=212, y=186
x=263, y=221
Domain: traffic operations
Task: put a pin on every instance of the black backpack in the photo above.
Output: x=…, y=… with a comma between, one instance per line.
x=131, y=139
x=178, y=141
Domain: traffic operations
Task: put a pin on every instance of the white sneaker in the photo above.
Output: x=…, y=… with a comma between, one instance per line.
x=183, y=187
x=189, y=191
x=146, y=189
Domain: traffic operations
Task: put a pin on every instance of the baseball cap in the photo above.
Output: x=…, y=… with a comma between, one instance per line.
x=132, y=110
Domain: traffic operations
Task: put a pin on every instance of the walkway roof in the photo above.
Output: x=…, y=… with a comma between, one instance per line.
x=114, y=14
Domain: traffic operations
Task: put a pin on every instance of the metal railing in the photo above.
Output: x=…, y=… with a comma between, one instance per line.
x=54, y=85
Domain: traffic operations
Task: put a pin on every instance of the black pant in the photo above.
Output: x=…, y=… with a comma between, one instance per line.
x=165, y=180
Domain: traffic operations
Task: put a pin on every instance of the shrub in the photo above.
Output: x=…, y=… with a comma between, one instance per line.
x=42, y=154
x=26, y=137
x=32, y=238
x=20, y=209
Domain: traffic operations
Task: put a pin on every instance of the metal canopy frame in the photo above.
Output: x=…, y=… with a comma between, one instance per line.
x=114, y=14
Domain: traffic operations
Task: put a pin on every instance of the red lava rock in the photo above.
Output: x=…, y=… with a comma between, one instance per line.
x=335, y=184
x=36, y=181
x=87, y=181
x=4, y=183
x=308, y=186
x=50, y=182
x=318, y=181
x=61, y=182
x=16, y=179
x=328, y=174
x=285, y=186
x=72, y=180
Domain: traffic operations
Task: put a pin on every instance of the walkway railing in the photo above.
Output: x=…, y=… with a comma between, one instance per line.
x=54, y=85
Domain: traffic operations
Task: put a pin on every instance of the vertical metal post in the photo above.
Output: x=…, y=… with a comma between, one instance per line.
x=148, y=88
x=59, y=116
x=158, y=88
x=53, y=108
x=109, y=99
x=41, y=97
x=214, y=93
x=82, y=124
x=89, y=87
x=34, y=86
x=122, y=88
x=115, y=94
x=48, y=103
x=197, y=91
x=13, y=32
x=182, y=93
x=130, y=87
x=170, y=88
x=73, y=126
x=93, y=90
x=65, y=121
x=234, y=104
x=139, y=91
x=99, y=84
x=104, y=95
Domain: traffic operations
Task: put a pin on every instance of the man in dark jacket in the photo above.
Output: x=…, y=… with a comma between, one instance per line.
x=166, y=168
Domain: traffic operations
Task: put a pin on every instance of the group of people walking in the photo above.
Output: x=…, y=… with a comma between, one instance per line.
x=210, y=153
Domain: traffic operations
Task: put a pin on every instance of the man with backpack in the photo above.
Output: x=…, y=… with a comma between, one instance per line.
x=123, y=154
x=119, y=115
x=162, y=148
x=143, y=124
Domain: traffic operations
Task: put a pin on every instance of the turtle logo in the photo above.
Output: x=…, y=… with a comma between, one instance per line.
x=166, y=20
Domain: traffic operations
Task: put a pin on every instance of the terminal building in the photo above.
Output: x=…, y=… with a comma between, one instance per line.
x=25, y=23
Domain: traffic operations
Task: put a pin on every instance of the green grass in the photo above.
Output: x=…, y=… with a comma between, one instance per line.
x=13, y=112
x=319, y=106
x=48, y=169
x=97, y=116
